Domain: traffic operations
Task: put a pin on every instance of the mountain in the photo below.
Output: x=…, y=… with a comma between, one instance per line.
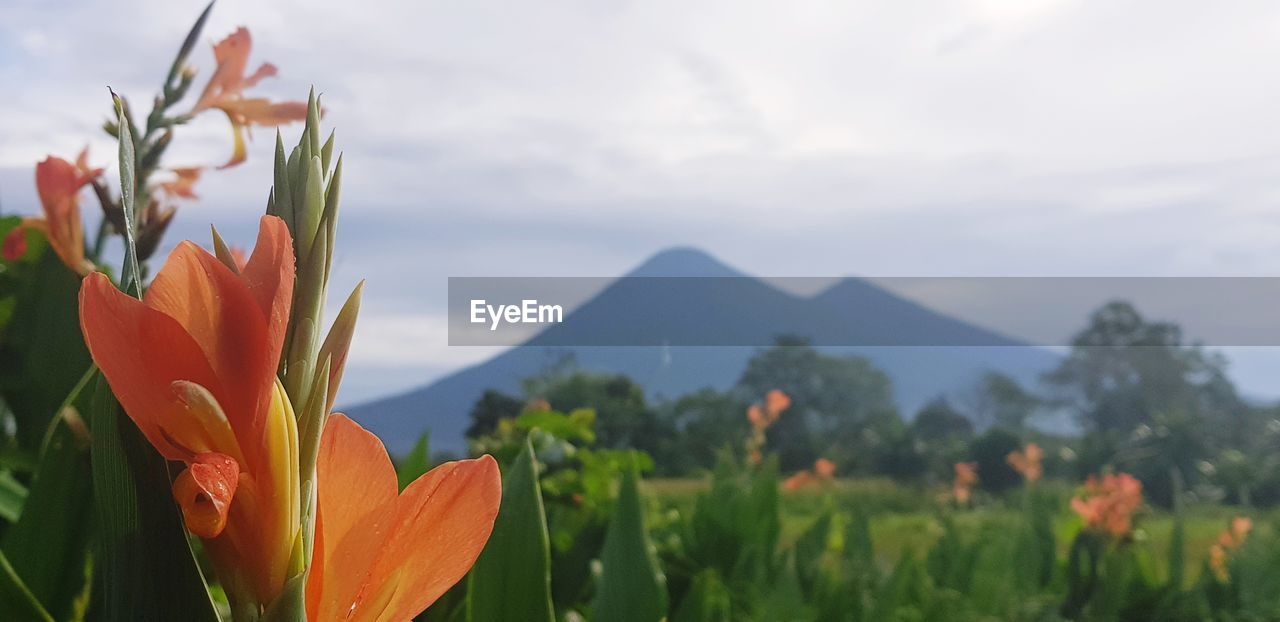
x=852, y=311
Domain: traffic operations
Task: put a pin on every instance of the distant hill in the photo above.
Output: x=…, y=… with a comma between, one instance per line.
x=850, y=311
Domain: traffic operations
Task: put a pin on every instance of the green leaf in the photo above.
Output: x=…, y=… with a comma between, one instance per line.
x=49, y=545
x=575, y=426
x=708, y=600
x=784, y=599
x=131, y=275
x=187, y=44
x=146, y=568
x=632, y=586
x=512, y=578
x=416, y=463
x=12, y=496
x=16, y=601
x=42, y=355
x=811, y=547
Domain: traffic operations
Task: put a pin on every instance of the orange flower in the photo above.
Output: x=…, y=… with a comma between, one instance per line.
x=1218, y=563
x=183, y=185
x=755, y=415
x=1230, y=540
x=1233, y=536
x=775, y=402
x=58, y=182
x=966, y=479
x=194, y=366
x=1107, y=505
x=824, y=468
x=1240, y=528
x=383, y=557
x=803, y=479
x=1027, y=462
x=225, y=92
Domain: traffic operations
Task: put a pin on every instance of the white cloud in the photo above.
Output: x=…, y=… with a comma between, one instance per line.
x=922, y=137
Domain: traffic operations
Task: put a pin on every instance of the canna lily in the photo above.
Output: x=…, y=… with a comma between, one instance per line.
x=1108, y=504
x=966, y=479
x=183, y=184
x=1218, y=563
x=800, y=480
x=1027, y=462
x=383, y=557
x=1234, y=536
x=194, y=366
x=760, y=418
x=225, y=92
x=824, y=469
x=775, y=402
x=823, y=472
x=58, y=182
x=1229, y=541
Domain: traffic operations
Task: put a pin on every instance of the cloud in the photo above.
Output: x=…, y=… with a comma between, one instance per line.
x=986, y=137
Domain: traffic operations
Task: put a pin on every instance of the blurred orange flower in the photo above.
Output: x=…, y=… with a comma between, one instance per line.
x=1240, y=528
x=803, y=479
x=1027, y=462
x=1218, y=563
x=58, y=183
x=225, y=92
x=824, y=468
x=1230, y=540
x=194, y=366
x=823, y=472
x=1233, y=537
x=966, y=478
x=1107, y=505
x=383, y=557
x=183, y=185
x=775, y=402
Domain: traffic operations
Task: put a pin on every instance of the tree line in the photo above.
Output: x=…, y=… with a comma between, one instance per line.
x=1140, y=397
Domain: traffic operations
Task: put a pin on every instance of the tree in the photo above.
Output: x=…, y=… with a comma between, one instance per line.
x=1151, y=404
x=1123, y=369
x=704, y=423
x=492, y=407
x=623, y=418
x=939, y=421
x=835, y=399
x=999, y=400
x=991, y=451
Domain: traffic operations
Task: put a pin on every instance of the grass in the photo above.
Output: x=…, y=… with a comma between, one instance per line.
x=907, y=517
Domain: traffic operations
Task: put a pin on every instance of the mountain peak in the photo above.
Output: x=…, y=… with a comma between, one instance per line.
x=683, y=261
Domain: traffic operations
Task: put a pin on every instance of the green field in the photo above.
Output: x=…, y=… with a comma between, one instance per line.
x=908, y=518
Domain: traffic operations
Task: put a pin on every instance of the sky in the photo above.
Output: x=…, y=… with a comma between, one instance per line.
x=579, y=137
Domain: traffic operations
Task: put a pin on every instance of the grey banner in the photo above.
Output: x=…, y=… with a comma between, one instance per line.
x=899, y=311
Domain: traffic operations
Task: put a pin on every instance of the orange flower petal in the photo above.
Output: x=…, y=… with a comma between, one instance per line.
x=58, y=182
x=356, y=500
x=142, y=352
x=824, y=468
x=239, y=153
x=264, y=112
x=204, y=493
x=775, y=402
x=270, y=275
x=443, y=521
x=265, y=70
x=237, y=321
x=232, y=57
x=15, y=243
